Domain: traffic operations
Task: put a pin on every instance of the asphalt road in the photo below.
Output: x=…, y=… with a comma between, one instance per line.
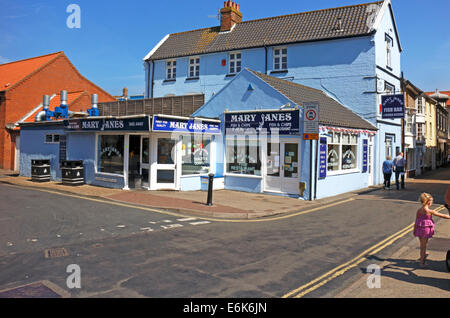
x=126, y=252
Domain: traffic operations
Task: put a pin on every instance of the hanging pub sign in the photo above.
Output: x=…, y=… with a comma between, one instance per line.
x=323, y=151
x=187, y=125
x=393, y=106
x=108, y=124
x=263, y=122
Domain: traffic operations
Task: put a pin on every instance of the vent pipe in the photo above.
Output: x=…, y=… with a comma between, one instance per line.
x=63, y=98
x=94, y=100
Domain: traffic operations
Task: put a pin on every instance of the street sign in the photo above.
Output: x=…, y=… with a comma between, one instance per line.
x=393, y=106
x=311, y=121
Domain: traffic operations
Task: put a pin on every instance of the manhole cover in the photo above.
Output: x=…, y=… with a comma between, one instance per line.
x=55, y=252
x=35, y=290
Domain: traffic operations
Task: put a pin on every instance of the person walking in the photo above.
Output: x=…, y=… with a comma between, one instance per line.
x=399, y=168
x=388, y=165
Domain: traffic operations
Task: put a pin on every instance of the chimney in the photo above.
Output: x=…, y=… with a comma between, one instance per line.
x=229, y=15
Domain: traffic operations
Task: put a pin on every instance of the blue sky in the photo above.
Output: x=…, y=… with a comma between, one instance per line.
x=116, y=35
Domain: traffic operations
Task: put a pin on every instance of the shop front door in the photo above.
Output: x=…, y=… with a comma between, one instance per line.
x=145, y=161
x=282, y=167
x=165, y=173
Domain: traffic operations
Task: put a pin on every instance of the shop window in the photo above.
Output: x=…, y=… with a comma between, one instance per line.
x=342, y=152
x=243, y=156
x=195, y=154
x=110, y=154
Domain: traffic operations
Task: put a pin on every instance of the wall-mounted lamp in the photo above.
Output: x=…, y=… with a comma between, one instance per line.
x=287, y=105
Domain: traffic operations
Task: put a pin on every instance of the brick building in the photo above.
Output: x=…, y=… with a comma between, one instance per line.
x=22, y=85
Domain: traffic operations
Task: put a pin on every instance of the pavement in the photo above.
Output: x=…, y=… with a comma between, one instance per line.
x=401, y=277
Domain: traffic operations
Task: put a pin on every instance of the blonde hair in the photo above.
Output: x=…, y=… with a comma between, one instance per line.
x=425, y=198
x=388, y=158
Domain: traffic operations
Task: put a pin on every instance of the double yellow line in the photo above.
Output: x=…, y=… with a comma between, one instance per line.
x=341, y=269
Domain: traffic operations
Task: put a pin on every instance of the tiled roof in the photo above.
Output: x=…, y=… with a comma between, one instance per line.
x=442, y=92
x=13, y=72
x=348, y=21
x=330, y=111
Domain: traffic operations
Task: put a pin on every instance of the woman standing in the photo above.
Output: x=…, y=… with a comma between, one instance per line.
x=387, y=172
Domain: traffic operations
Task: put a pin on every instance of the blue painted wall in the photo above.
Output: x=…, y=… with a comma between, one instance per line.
x=33, y=146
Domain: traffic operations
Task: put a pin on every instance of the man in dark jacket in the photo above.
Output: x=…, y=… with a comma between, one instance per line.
x=399, y=168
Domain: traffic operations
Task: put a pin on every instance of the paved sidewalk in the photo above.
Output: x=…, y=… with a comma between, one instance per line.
x=401, y=275
x=226, y=203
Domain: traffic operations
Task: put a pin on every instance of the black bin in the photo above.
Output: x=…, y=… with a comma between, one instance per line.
x=40, y=170
x=72, y=172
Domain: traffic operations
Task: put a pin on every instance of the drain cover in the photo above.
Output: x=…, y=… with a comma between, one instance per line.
x=55, y=252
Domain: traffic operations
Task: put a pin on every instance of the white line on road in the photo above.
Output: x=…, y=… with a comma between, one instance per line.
x=186, y=219
x=171, y=226
x=199, y=223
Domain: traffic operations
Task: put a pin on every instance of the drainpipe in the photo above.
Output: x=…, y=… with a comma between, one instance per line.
x=265, y=49
x=153, y=78
x=148, y=78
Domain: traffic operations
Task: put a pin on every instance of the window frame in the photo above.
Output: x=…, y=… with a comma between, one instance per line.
x=387, y=85
x=97, y=150
x=280, y=56
x=340, y=145
x=52, y=139
x=172, y=66
x=193, y=137
x=247, y=141
x=232, y=62
x=195, y=65
x=389, y=45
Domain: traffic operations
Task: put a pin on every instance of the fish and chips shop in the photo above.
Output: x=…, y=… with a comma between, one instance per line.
x=141, y=151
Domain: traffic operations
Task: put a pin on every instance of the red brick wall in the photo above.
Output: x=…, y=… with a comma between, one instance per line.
x=56, y=76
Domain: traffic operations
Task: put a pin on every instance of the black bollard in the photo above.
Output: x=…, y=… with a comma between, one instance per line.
x=210, y=188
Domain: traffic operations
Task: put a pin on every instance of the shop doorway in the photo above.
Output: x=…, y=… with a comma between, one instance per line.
x=282, y=167
x=138, y=162
x=165, y=172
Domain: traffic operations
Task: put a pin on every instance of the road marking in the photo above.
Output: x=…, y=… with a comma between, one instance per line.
x=171, y=226
x=341, y=269
x=186, y=219
x=118, y=203
x=200, y=223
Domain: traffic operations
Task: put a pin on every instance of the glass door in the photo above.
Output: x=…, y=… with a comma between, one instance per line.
x=282, y=167
x=145, y=160
x=165, y=163
x=290, y=168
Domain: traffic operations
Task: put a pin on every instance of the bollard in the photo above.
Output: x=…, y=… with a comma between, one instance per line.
x=210, y=188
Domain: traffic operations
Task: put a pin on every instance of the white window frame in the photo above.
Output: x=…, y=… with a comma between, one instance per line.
x=420, y=109
x=233, y=60
x=194, y=67
x=388, y=85
x=280, y=55
x=409, y=124
x=172, y=66
x=53, y=139
x=389, y=44
x=341, y=144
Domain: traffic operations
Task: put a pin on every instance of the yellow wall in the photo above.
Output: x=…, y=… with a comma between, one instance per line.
x=430, y=118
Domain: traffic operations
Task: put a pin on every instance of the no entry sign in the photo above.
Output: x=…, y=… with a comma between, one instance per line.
x=311, y=121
